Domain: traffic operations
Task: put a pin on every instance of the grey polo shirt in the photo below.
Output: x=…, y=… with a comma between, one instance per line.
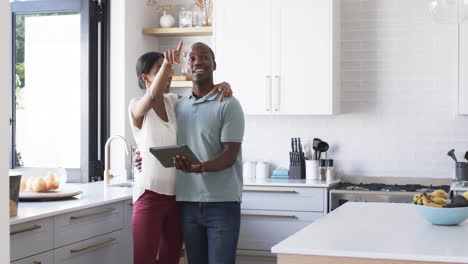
x=203, y=125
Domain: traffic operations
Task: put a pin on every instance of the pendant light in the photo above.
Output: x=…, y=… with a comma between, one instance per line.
x=449, y=11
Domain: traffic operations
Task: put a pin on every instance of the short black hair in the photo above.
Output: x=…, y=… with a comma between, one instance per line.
x=144, y=65
x=203, y=44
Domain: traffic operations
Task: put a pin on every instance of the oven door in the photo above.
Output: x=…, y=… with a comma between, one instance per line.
x=339, y=197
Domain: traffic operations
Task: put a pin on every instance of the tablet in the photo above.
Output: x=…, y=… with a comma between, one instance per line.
x=165, y=154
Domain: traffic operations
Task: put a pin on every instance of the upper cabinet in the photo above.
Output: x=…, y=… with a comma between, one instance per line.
x=281, y=57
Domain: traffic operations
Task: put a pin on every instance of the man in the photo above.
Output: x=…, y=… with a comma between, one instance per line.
x=209, y=194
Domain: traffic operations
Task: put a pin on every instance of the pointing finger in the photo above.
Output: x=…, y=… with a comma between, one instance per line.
x=181, y=44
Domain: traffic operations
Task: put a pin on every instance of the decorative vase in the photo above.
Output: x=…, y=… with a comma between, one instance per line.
x=166, y=20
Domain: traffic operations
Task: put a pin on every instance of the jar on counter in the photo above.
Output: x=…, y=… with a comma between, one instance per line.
x=322, y=170
x=330, y=170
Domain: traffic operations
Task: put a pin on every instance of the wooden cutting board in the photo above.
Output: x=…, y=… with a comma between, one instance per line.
x=48, y=196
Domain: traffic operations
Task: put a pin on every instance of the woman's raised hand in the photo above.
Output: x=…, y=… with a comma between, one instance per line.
x=173, y=56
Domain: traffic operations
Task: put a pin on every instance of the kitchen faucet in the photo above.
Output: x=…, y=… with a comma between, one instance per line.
x=107, y=174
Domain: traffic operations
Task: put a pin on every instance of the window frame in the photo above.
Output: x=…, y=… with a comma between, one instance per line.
x=94, y=124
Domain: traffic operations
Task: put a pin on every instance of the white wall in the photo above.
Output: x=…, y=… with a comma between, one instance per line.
x=399, y=98
x=127, y=44
x=5, y=86
x=399, y=94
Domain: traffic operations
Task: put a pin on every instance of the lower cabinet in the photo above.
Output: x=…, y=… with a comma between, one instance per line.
x=44, y=258
x=270, y=214
x=101, y=249
x=101, y=234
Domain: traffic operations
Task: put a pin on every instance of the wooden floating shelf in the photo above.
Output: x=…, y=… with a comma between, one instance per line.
x=179, y=32
x=181, y=84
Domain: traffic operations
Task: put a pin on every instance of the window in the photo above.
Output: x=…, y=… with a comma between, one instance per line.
x=59, y=115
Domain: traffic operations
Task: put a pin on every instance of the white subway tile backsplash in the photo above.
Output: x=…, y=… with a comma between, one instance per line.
x=399, y=98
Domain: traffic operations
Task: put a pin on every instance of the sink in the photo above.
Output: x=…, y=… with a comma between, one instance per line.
x=122, y=184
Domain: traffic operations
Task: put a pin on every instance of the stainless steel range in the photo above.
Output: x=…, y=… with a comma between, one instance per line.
x=379, y=192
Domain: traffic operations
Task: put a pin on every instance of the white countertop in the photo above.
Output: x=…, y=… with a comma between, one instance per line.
x=379, y=231
x=93, y=195
x=289, y=182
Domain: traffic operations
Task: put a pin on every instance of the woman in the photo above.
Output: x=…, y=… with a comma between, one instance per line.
x=155, y=222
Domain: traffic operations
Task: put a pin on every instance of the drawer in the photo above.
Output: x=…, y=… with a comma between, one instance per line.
x=84, y=224
x=31, y=238
x=128, y=212
x=44, y=258
x=102, y=249
x=261, y=230
x=255, y=257
x=283, y=198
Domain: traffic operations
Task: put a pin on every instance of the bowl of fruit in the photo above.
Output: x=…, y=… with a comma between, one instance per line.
x=438, y=210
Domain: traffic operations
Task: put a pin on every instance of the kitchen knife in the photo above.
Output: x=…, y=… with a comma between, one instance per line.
x=292, y=145
x=295, y=145
x=466, y=157
x=300, y=146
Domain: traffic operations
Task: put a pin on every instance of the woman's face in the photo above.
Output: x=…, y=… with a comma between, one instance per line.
x=152, y=74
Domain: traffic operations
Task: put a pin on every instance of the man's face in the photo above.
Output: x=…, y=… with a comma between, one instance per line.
x=200, y=64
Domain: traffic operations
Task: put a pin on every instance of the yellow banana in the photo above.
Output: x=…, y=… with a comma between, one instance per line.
x=420, y=201
x=428, y=202
x=438, y=200
x=465, y=194
x=439, y=193
x=417, y=197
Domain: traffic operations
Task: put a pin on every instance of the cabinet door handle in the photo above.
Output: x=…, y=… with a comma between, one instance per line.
x=268, y=93
x=277, y=93
x=37, y=262
x=107, y=241
x=35, y=227
x=268, y=191
x=271, y=216
x=255, y=256
x=108, y=210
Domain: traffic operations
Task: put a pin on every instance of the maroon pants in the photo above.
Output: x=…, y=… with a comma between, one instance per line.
x=157, y=236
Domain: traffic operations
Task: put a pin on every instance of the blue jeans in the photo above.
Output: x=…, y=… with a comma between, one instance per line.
x=211, y=231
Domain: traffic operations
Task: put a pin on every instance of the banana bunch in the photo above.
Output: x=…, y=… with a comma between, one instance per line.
x=435, y=199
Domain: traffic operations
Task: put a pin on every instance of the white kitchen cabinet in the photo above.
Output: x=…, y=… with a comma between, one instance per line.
x=242, y=40
x=261, y=230
x=127, y=243
x=44, y=258
x=281, y=57
x=271, y=213
x=31, y=238
x=83, y=224
x=101, y=249
x=100, y=234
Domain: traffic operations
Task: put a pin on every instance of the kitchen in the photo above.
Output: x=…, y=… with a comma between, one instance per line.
x=399, y=91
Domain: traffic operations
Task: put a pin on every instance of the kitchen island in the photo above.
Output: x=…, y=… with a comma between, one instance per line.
x=375, y=233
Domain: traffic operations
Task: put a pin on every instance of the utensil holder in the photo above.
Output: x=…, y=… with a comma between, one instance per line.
x=461, y=171
x=312, y=169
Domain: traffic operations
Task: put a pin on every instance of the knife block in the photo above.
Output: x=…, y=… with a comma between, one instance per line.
x=297, y=171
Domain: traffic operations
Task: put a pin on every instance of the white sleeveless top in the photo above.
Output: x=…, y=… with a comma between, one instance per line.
x=155, y=132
